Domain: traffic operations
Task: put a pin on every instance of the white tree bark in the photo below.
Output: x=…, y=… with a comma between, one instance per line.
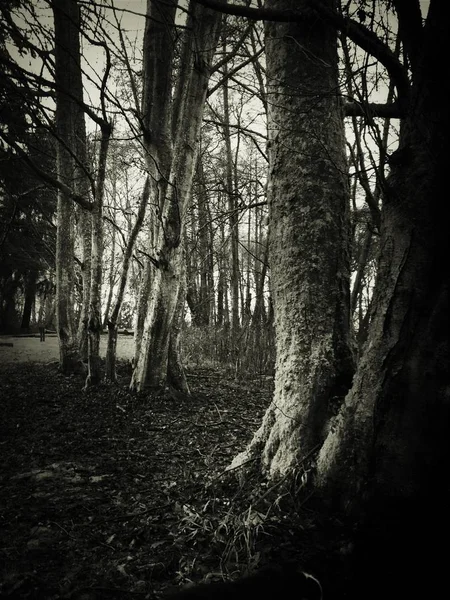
x=201, y=40
x=95, y=313
x=112, y=322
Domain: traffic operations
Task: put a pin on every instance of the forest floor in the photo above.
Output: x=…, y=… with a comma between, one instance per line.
x=109, y=494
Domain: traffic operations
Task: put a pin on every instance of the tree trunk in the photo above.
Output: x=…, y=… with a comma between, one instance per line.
x=205, y=245
x=112, y=322
x=95, y=296
x=258, y=318
x=67, y=52
x=85, y=233
x=389, y=445
x=82, y=187
x=29, y=296
x=233, y=214
x=112, y=278
x=176, y=376
x=398, y=409
x=309, y=241
x=201, y=40
x=158, y=47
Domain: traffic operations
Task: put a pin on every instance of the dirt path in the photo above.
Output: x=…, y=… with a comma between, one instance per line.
x=26, y=349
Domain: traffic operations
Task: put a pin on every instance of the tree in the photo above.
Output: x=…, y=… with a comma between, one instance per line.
x=172, y=132
x=309, y=240
x=72, y=171
x=113, y=318
x=26, y=205
x=67, y=77
x=386, y=451
x=390, y=440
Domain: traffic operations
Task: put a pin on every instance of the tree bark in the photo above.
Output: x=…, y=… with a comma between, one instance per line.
x=398, y=409
x=386, y=456
x=176, y=377
x=201, y=40
x=112, y=321
x=95, y=296
x=67, y=52
x=309, y=241
x=156, y=121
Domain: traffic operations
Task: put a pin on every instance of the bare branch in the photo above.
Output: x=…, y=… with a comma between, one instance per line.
x=358, y=33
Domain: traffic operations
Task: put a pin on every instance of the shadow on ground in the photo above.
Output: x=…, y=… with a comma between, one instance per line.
x=104, y=493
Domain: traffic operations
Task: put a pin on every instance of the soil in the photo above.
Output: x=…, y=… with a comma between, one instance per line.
x=109, y=494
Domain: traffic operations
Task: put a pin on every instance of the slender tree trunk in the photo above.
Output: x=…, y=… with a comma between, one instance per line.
x=112, y=322
x=29, y=297
x=233, y=216
x=67, y=52
x=85, y=233
x=111, y=280
x=112, y=271
x=205, y=249
x=82, y=186
x=201, y=40
x=309, y=240
x=95, y=299
x=258, y=318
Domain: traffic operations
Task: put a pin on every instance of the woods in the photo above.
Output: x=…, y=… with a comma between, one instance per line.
x=258, y=188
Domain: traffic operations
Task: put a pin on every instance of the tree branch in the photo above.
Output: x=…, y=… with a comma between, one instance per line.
x=358, y=33
x=385, y=111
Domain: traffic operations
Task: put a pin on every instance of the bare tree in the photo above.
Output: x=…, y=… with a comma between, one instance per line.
x=175, y=159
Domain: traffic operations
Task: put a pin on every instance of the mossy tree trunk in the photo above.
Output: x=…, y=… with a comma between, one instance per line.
x=309, y=241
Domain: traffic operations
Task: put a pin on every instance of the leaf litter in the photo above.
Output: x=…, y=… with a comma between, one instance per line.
x=103, y=492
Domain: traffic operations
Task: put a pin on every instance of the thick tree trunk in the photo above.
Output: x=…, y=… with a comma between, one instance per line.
x=309, y=241
x=158, y=48
x=398, y=409
x=389, y=446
